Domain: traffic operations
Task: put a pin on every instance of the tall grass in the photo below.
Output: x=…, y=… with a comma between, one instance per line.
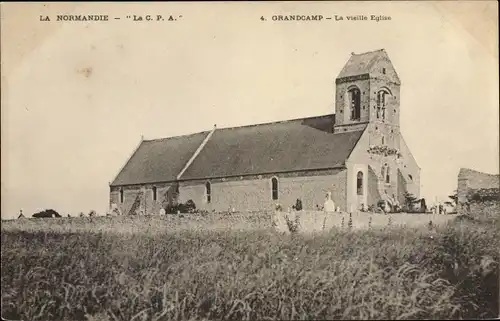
x=184, y=274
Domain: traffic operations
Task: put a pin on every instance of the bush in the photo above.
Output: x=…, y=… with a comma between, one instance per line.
x=484, y=195
x=188, y=207
x=46, y=214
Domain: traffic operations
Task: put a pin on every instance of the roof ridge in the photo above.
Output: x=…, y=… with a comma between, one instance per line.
x=196, y=152
x=178, y=136
x=277, y=122
x=368, y=52
x=242, y=126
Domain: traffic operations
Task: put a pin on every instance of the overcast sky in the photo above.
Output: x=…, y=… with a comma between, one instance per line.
x=76, y=97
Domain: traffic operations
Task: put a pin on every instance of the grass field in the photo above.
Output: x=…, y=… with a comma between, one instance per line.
x=201, y=269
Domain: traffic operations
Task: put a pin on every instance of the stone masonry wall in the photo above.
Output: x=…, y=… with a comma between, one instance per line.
x=144, y=195
x=250, y=193
x=471, y=181
x=254, y=193
x=376, y=183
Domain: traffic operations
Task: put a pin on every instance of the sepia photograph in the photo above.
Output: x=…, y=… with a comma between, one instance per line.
x=293, y=160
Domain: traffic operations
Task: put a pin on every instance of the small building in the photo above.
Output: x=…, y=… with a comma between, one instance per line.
x=358, y=154
x=470, y=181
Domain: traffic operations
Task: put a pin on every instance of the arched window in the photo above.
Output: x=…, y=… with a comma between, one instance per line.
x=388, y=175
x=359, y=183
x=354, y=96
x=274, y=183
x=382, y=97
x=154, y=193
x=208, y=192
x=121, y=195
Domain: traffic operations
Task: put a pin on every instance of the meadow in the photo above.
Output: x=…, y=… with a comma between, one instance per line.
x=238, y=267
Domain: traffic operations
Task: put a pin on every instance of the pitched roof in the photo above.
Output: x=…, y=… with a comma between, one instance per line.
x=292, y=145
x=359, y=64
x=159, y=160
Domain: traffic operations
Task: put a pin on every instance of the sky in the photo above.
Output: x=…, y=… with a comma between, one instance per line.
x=76, y=96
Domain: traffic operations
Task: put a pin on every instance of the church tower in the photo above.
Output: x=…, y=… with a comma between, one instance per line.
x=367, y=99
x=367, y=96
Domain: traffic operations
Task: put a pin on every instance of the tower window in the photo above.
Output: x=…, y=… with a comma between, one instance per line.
x=354, y=95
x=154, y=193
x=121, y=195
x=382, y=102
x=359, y=183
x=274, y=187
x=411, y=177
x=208, y=192
x=383, y=140
x=386, y=175
x=383, y=71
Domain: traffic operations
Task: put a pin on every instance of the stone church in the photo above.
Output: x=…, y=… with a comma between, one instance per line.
x=358, y=154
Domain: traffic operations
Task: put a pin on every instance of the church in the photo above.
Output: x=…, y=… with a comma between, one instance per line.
x=358, y=154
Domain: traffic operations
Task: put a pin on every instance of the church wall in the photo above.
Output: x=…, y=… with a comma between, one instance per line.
x=312, y=190
x=254, y=193
x=402, y=187
x=376, y=185
x=409, y=169
x=129, y=195
x=372, y=187
x=143, y=194
x=356, y=201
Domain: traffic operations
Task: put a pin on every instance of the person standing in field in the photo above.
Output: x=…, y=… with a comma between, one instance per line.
x=329, y=205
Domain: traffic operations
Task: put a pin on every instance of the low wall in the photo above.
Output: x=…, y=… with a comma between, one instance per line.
x=316, y=221
x=310, y=221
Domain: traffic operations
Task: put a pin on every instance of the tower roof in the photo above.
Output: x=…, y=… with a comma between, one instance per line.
x=363, y=63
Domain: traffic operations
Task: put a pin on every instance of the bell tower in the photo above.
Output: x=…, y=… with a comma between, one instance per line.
x=367, y=96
